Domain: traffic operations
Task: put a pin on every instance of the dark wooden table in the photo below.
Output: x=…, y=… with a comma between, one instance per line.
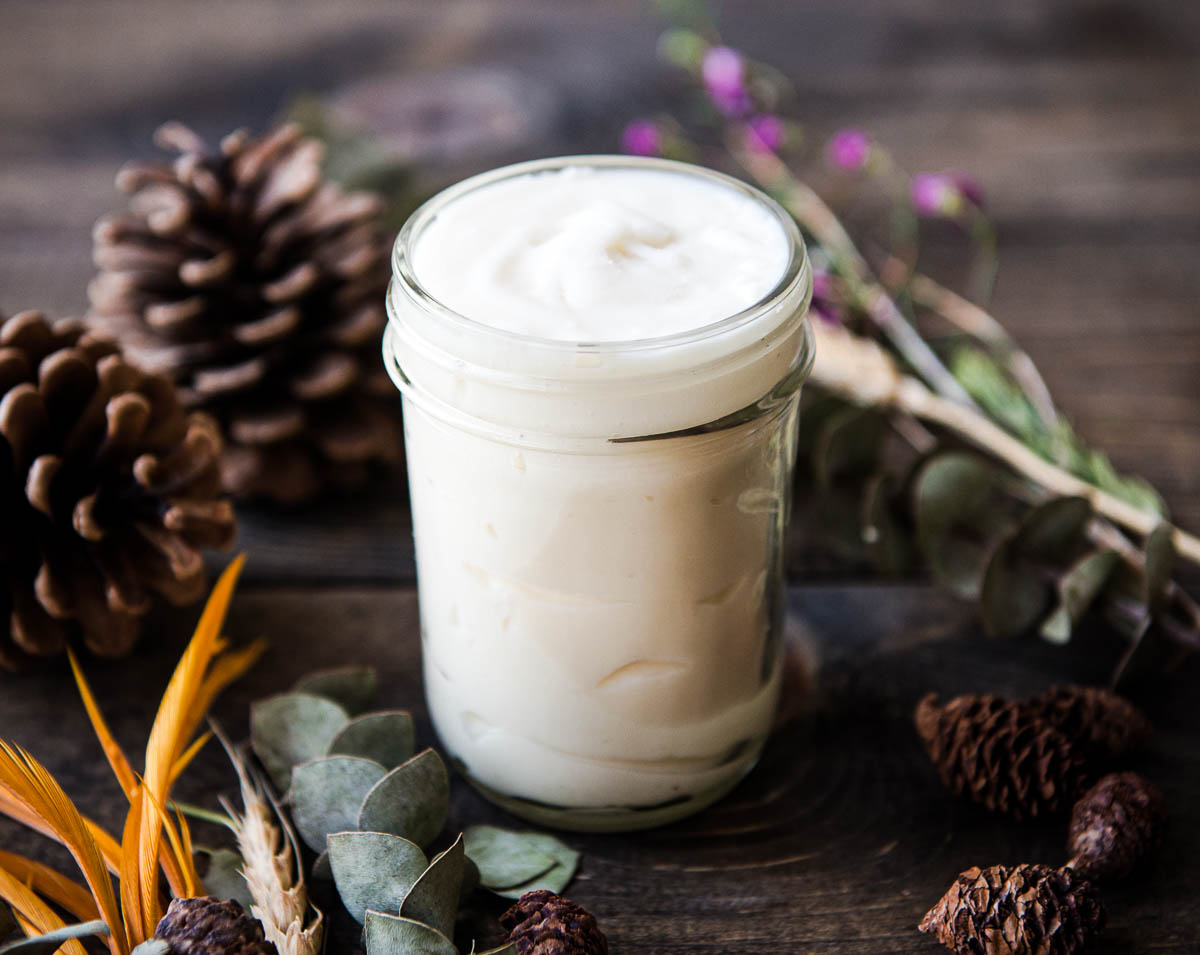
x=1083, y=121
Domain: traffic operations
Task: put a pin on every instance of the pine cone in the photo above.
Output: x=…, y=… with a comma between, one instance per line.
x=1016, y=910
x=258, y=288
x=205, y=926
x=1103, y=725
x=542, y=923
x=107, y=489
x=1115, y=826
x=996, y=754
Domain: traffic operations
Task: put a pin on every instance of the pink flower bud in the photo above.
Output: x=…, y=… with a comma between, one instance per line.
x=642, y=137
x=936, y=194
x=724, y=74
x=764, y=133
x=849, y=149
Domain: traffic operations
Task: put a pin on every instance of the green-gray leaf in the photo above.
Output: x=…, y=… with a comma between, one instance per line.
x=373, y=870
x=497, y=845
x=386, y=737
x=434, y=898
x=292, y=728
x=353, y=688
x=223, y=878
x=1160, y=563
x=321, y=868
x=327, y=794
x=1077, y=590
x=951, y=489
x=1053, y=528
x=848, y=442
x=392, y=935
x=152, y=946
x=1013, y=596
x=51, y=942
x=413, y=800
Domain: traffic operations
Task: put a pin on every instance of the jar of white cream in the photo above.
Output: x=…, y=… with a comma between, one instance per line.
x=600, y=359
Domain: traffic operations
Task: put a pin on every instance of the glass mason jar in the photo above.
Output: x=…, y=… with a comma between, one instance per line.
x=599, y=531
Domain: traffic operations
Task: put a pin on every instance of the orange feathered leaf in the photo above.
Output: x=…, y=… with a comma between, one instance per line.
x=52, y=884
x=19, y=812
x=30, y=782
x=33, y=912
x=112, y=749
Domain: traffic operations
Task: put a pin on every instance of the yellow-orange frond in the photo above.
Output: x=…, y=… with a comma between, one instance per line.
x=30, y=782
x=112, y=749
x=32, y=911
x=131, y=895
x=52, y=884
x=183, y=867
x=225, y=670
x=19, y=812
x=187, y=756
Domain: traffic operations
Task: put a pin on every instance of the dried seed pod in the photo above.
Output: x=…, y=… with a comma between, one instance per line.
x=205, y=926
x=257, y=286
x=542, y=923
x=1016, y=910
x=1101, y=724
x=995, y=753
x=108, y=491
x=1116, y=826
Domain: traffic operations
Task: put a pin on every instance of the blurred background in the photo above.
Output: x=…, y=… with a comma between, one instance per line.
x=1081, y=118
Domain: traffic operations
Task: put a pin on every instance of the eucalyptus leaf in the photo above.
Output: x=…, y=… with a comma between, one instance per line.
x=506, y=858
x=152, y=946
x=223, y=879
x=1160, y=563
x=952, y=490
x=1150, y=652
x=495, y=850
x=373, y=870
x=321, y=867
x=470, y=880
x=848, y=442
x=434, y=898
x=889, y=546
x=327, y=794
x=387, y=737
x=51, y=942
x=1013, y=596
x=292, y=728
x=413, y=800
x=1052, y=529
x=392, y=935
x=353, y=688
x=1077, y=590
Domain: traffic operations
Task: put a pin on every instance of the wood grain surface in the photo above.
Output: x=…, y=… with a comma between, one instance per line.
x=838, y=842
x=1082, y=119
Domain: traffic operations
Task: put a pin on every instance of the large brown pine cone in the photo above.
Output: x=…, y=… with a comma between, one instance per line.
x=1016, y=910
x=108, y=488
x=1103, y=725
x=258, y=288
x=205, y=926
x=542, y=923
x=995, y=753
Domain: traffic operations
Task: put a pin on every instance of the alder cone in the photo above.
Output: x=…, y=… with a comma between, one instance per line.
x=108, y=491
x=1102, y=724
x=1116, y=826
x=206, y=926
x=995, y=753
x=542, y=923
x=258, y=287
x=1016, y=910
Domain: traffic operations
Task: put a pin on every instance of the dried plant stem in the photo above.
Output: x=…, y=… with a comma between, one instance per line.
x=859, y=370
x=271, y=866
x=813, y=214
x=966, y=315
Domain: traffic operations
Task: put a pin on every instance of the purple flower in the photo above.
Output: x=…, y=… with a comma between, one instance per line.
x=642, y=137
x=764, y=133
x=724, y=74
x=969, y=187
x=936, y=194
x=825, y=304
x=849, y=149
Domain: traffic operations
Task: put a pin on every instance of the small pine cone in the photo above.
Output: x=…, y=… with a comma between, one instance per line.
x=1103, y=725
x=1116, y=826
x=258, y=287
x=108, y=489
x=994, y=753
x=205, y=926
x=1016, y=910
x=542, y=923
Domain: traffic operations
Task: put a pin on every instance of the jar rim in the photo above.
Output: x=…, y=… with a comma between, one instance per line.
x=796, y=273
